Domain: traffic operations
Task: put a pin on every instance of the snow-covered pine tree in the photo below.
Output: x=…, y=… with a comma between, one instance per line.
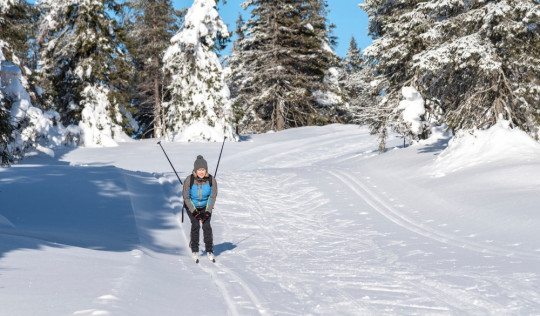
x=355, y=81
x=474, y=61
x=17, y=25
x=82, y=49
x=199, y=108
x=329, y=97
x=5, y=127
x=15, y=30
x=235, y=74
x=30, y=128
x=286, y=61
x=151, y=27
x=353, y=59
x=5, y=132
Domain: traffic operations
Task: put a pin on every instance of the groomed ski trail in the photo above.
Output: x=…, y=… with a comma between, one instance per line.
x=278, y=217
x=232, y=287
x=391, y=213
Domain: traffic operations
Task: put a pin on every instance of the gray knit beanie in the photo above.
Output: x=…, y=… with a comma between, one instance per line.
x=200, y=163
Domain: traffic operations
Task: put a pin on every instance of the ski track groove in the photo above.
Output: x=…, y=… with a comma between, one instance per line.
x=442, y=292
x=227, y=297
x=176, y=202
x=395, y=216
x=309, y=151
x=218, y=279
x=271, y=213
x=307, y=199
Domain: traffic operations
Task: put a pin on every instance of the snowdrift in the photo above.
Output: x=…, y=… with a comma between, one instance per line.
x=500, y=143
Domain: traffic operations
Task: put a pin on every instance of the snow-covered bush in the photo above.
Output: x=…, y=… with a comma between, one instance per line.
x=412, y=109
x=482, y=147
x=97, y=127
x=30, y=127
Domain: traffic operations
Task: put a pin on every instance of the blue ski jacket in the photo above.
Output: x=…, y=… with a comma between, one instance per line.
x=201, y=194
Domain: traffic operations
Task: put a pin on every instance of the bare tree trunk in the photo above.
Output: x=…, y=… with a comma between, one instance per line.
x=157, y=102
x=277, y=116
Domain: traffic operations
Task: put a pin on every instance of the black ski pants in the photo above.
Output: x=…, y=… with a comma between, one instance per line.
x=207, y=231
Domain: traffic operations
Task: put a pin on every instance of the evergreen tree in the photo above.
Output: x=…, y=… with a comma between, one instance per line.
x=329, y=97
x=82, y=47
x=15, y=31
x=286, y=57
x=474, y=61
x=5, y=126
x=355, y=80
x=152, y=26
x=17, y=27
x=199, y=107
x=235, y=74
x=353, y=58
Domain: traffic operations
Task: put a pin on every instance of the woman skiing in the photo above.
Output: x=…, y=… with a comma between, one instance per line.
x=200, y=191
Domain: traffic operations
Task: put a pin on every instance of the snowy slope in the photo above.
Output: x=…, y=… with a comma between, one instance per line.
x=310, y=221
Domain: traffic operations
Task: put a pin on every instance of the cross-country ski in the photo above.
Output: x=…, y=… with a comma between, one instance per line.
x=195, y=257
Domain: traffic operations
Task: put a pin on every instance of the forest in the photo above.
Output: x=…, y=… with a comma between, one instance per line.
x=97, y=72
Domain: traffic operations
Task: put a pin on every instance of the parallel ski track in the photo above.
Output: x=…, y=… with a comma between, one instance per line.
x=274, y=199
x=219, y=283
x=459, y=300
x=383, y=208
x=218, y=271
x=274, y=190
x=306, y=153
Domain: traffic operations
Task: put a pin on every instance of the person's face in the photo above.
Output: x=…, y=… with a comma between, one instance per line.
x=201, y=172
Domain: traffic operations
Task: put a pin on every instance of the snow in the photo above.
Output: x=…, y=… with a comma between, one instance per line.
x=460, y=52
x=12, y=84
x=97, y=127
x=485, y=147
x=4, y=5
x=413, y=108
x=2, y=45
x=308, y=221
x=193, y=30
x=200, y=108
x=199, y=132
x=34, y=128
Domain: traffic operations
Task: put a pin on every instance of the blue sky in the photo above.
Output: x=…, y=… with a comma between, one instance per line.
x=349, y=19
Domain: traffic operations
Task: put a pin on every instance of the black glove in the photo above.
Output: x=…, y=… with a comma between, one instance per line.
x=206, y=216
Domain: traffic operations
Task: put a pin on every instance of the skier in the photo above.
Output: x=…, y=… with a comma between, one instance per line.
x=200, y=191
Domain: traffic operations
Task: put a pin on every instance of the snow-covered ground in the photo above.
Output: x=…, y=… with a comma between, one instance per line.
x=310, y=221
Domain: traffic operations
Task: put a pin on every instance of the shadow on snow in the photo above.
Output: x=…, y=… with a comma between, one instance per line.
x=58, y=205
x=221, y=248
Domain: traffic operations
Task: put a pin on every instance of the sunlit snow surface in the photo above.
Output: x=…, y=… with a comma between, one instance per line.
x=310, y=221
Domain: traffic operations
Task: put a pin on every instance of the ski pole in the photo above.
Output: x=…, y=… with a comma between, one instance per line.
x=183, y=206
x=224, y=138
